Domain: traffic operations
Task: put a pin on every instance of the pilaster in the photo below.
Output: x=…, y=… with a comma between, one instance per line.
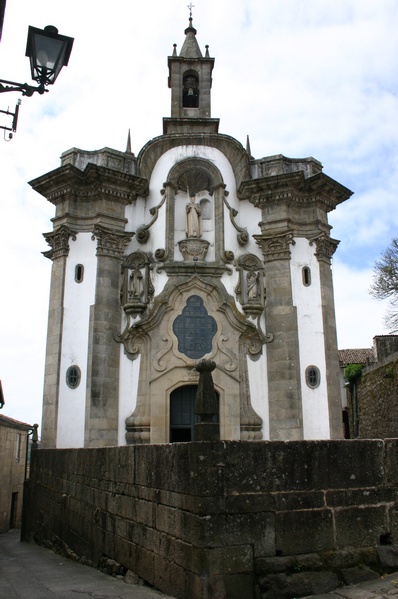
x=283, y=353
x=102, y=403
x=59, y=242
x=325, y=248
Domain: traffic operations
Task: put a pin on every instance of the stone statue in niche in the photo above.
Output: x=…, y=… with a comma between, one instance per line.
x=135, y=284
x=252, y=286
x=193, y=218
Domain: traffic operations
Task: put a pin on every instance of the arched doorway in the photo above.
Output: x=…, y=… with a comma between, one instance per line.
x=182, y=414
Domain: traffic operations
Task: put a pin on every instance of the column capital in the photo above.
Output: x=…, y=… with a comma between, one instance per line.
x=325, y=247
x=58, y=240
x=111, y=243
x=276, y=247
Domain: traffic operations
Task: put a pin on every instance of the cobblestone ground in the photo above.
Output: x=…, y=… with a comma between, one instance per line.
x=383, y=588
x=28, y=571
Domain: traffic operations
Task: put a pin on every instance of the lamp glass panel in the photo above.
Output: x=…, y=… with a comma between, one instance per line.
x=49, y=53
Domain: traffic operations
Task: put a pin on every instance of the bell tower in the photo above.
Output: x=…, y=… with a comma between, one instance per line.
x=190, y=82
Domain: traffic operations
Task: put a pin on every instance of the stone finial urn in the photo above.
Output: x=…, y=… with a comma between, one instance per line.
x=193, y=248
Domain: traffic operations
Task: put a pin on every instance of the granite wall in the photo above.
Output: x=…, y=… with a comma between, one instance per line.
x=222, y=519
x=377, y=400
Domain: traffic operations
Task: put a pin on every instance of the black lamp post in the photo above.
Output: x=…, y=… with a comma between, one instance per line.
x=48, y=53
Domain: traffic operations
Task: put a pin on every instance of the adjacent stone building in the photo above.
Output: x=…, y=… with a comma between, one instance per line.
x=13, y=451
x=371, y=402
x=192, y=249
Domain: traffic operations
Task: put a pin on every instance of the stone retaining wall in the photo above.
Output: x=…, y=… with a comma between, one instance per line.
x=377, y=400
x=222, y=519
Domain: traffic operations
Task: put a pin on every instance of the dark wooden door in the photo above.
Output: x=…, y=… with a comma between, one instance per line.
x=182, y=414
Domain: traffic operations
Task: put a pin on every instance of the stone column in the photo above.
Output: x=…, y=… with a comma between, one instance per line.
x=59, y=242
x=284, y=389
x=325, y=248
x=102, y=403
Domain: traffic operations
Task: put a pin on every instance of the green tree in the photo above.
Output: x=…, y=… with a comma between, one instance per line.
x=385, y=283
x=352, y=373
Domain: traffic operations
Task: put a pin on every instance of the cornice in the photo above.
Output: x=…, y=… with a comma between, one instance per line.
x=78, y=223
x=294, y=187
x=94, y=181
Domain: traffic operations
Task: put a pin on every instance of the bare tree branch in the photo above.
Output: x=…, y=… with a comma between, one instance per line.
x=385, y=283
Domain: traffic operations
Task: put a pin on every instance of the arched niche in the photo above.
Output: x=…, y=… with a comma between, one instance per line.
x=200, y=179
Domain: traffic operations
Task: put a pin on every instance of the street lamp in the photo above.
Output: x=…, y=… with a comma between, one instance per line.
x=48, y=52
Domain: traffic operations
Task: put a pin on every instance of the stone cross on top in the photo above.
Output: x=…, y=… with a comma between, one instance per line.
x=190, y=6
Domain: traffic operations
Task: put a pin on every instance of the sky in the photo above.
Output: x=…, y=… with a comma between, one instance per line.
x=300, y=77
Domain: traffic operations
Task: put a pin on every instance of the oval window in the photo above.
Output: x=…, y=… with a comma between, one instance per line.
x=73, y=375
x=312, y=376
x=79, y=273
x=306, y=276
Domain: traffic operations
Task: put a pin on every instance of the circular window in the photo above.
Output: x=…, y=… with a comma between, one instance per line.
x=73, y=375
x=312, y=376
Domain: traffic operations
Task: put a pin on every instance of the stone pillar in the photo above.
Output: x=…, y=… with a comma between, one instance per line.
x=284, y=389
x=59, y=242
x=206, y=404
x=325, y=248
x=102, y=403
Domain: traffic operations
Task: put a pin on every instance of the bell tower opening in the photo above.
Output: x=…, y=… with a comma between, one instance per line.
x=190, y=91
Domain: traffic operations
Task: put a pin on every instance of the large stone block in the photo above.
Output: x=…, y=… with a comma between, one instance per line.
x=291, y=465
x=304, y=531
x=370, y=524
x=169, y=577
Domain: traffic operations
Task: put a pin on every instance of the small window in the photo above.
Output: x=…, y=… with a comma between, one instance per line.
x=73, y=375
x=312, y=376
x=79, y=273
x=306, y=276
x=18, y=448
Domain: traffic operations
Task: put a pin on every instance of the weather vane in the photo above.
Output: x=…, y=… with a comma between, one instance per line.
x=190, y=6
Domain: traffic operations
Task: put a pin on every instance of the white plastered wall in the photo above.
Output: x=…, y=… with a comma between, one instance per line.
x=308, y=302
x=138, y=214
x=258, y=383
x=128, y=389
x=78, y=298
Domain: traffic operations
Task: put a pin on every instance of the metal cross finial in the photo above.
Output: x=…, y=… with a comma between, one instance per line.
x=190, y=6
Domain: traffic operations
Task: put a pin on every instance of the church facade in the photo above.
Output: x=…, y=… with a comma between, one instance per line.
x=192, y=249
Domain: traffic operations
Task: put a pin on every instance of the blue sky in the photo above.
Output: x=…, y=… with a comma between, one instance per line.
x=301, y=78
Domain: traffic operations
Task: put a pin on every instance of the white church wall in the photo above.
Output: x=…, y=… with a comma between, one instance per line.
x=159, y=176
x=258, y=384
x=308, y=302
x=77, y=301
x=128, y=390
x=136, y=214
